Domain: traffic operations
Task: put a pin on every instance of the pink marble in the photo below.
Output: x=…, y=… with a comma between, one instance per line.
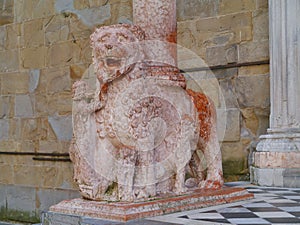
x=142, y=135
x=124, y=211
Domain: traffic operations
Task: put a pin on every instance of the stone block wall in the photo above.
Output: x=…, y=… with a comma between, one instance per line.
x=44, y=48
x=232, y=38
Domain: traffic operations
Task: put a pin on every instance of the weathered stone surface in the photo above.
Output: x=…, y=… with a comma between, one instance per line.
x=254, y=70
x=8, y=145
x=14, y=83
x=9, y=36
x=222, y=74
x=4, y=131
x=187, y=37
x=235, y=161
x=29, y=146
x=13, y=34
x=86, y=51
x=253, y=51
x=232, y=125
x=34, y=77
x=77, y=71
x=42, y=9
x=23, y=10
x=81, y=4
x=228, y=93
x=57, y=29
x=91, y=17
x=6, y=176
x=263, y=118
x=196, y=8
x=250, y=120
x=261, y=4
x=30, y=129
x=62, y=126
x=9, y=61
x=49, y=197
x=39, y=201
x=3, y=37
x=6, y=12
x=247, y=97
x=33, y=33
x=232, y=151
x=260, y=25
x=58, y=103
x=78, y=30
x=41, y=105
x=65, y=178
x=32, y=58
x=55, y=80
x=61, y=54
x=34, y=175
x=121, y=12
x=24, y=106
x=229, y=6
x=5, y=106
x=221, y=55
x=48, y=146
x=235, y=22
x=21, y=199
x=221, y=32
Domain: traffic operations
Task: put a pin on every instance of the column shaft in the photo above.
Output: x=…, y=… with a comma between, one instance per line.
x=276, y=161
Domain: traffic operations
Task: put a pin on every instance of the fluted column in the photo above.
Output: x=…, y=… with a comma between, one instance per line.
x=277, y=160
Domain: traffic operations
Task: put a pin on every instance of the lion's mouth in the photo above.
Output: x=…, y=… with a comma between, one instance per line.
x=113, y=62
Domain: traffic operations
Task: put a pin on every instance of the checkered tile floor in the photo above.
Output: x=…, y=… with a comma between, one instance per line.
x=270, y=206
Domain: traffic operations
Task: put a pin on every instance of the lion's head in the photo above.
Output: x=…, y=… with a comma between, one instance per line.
x=115, y=50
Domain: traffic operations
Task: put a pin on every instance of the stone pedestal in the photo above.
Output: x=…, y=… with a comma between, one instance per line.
x=277, y=159
x=71, y=210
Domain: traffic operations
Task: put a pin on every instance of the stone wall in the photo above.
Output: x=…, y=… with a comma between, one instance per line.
x=44, y=48
x=232, y=38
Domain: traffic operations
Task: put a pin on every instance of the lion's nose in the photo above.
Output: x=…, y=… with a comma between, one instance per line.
x=108, y=46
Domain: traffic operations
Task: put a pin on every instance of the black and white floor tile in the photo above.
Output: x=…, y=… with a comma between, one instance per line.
x=269, y=206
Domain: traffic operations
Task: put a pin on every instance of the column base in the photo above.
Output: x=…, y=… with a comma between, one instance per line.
x=275, y=177
x=279, y=141
x=276, y=161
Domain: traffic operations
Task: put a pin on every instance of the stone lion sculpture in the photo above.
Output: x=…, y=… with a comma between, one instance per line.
x=143, y=134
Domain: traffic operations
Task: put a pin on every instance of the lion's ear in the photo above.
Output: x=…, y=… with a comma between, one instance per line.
x=92, y=38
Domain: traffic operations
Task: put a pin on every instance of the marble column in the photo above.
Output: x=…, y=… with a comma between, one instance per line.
x=158, y=19
x=276, y=161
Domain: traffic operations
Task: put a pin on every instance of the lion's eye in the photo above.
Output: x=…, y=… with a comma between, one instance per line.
x=122, y=38
x=103, y=38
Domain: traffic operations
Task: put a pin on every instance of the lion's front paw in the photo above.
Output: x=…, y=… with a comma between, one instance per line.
x=211, y=184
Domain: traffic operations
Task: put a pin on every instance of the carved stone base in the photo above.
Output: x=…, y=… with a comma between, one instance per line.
x=276, y=161
x=124, y=211
x=279, y=141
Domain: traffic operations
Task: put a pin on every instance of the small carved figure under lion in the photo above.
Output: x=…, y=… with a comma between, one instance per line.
x=143, y=135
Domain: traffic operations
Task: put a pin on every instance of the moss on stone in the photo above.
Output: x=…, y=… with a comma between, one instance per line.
x=19, y=216
x=235, y=170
